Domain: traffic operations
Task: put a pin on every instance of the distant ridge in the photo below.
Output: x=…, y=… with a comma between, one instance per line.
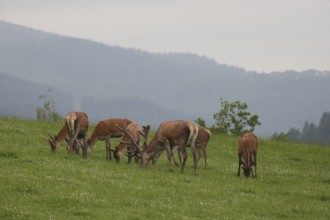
x=171, y=85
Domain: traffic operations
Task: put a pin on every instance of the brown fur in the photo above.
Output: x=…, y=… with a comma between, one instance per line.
x=170, y=136
x=202, y=140
x=105, y=130
x=134, y=130
x=75, y=128
x=247, y=148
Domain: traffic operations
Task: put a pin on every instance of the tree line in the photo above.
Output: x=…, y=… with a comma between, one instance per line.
x=232, y=118
x=311, y=133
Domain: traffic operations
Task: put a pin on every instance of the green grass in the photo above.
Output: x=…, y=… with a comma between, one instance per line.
x=293, y=181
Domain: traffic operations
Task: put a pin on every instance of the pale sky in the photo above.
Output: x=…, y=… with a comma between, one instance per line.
x=260, y=35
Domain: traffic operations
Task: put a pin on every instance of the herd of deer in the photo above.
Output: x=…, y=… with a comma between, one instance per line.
x=171, y=136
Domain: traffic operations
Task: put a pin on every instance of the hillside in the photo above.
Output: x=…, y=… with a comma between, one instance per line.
x=20, y=97
x=292, y=182
x=100, y=78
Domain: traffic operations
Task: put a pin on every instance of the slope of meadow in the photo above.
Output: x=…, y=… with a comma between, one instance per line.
x=293, y=182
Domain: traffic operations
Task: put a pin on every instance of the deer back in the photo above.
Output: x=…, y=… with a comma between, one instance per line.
x=176, y=132
x=82, y=122
x=253, y=141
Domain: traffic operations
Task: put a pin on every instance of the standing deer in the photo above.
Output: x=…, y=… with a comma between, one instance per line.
x=247, y=147
x=75, y=128
x=202, y=140
x=103, y=131
x=170, y=136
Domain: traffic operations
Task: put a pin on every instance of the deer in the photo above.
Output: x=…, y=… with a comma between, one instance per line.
x=103, y=131
x=75, y=128
x=202, y=140
x=170, y=136
x=134, y=130
x=247, y=147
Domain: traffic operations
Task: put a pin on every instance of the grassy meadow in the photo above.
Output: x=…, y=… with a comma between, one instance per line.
x=293, y=181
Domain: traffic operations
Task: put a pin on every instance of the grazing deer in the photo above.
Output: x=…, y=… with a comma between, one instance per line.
x=134, y=130
x=170, y=136
x=103, y=131
x=202, y=140
x=247, y=146
x=75, y=127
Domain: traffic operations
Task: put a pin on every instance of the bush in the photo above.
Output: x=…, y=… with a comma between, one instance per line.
x=47, y=112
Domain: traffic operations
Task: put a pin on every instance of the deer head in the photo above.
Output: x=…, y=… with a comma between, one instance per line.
x=136, y=152
x=52, y=142
x=246, y=171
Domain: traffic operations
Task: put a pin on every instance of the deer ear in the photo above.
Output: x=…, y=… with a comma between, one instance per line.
x=146, y=127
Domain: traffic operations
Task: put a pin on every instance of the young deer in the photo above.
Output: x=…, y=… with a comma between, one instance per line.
x=202, y=140
x=170, y=136
x=247, y=147
x=103, y=131
x=75, y=128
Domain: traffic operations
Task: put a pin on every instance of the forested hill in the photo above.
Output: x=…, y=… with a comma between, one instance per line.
x=111, y=81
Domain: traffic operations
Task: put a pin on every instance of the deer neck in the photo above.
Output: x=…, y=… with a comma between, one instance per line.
x=92, y=140
x=62, y=134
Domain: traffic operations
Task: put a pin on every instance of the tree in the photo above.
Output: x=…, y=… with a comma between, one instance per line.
x=233, y=117
x=200, y=122
x=47, y=112
x=309, y=133
x=294, y=134
x=313, y=134
x=324, y=128
x=281, y=136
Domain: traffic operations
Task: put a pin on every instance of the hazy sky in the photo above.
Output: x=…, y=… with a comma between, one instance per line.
x=261, y=35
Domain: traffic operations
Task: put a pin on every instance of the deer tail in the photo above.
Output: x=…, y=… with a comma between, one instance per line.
x=70, y=120
x=193, y=132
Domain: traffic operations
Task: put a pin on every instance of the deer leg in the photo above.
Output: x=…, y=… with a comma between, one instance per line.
x=255, y=163
x=205, y=158
x=239, y=165
x=175, y=148
x=169, y=156
x=107, y=148
x=70, y=143
x=82, y=145
x=129, y=153
x=184, y=155
x=73, y=141
x=77, y=145
x=180, y=159
x=198, y=154
x=73, y=146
